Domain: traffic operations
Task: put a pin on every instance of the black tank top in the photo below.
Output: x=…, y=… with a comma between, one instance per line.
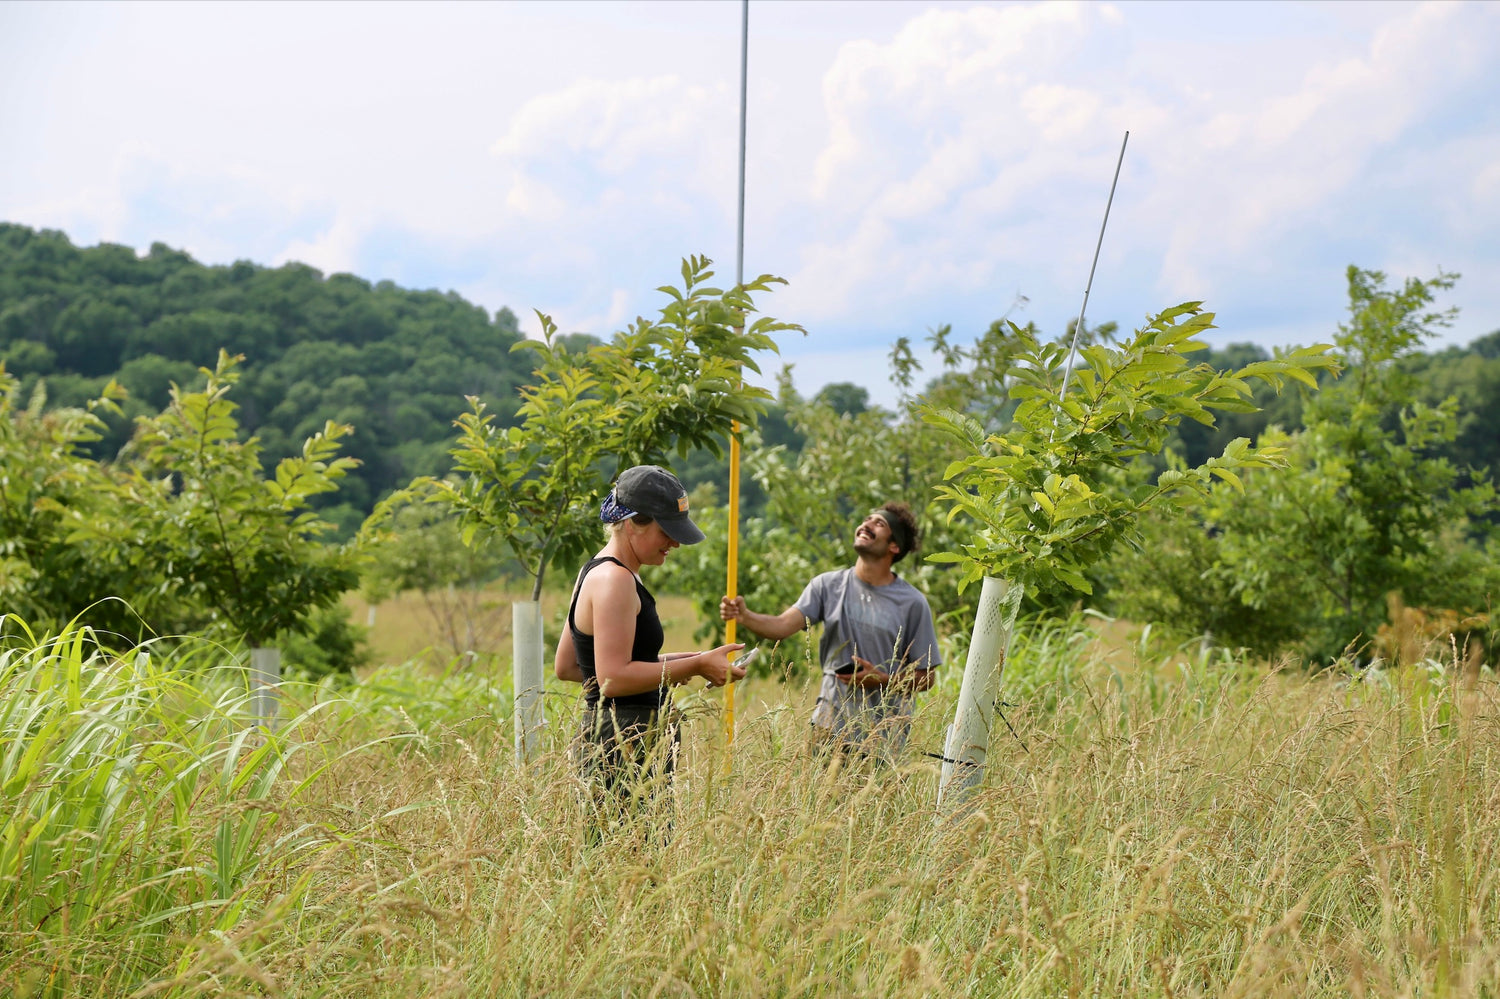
x=645, y=648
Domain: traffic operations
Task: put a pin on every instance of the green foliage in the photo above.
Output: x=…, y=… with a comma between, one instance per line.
x=1471, y=378
x=673, y=381
x=838, y=465
x=182, y=533
x=192, y=512
x=48, y=485
x=420, y=547
x=392, y=362
x=1195, y=442
x=529, y=487
x=1306, y=559
x=325, y=644
x=1050, y=496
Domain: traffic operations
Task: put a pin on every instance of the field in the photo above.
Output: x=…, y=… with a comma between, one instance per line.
x=439, y=626
x=1183, y=825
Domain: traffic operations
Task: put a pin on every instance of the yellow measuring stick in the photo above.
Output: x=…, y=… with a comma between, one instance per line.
x=732, y=584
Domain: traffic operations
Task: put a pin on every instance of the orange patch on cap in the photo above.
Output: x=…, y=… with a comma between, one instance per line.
x=682, y=504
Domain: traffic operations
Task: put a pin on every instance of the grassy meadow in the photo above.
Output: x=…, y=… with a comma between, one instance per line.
x=437, y=627
x=1164, y=824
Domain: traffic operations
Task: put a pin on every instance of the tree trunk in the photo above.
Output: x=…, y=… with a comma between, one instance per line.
x=265, y=680
x=526, y=676
x=968, y=741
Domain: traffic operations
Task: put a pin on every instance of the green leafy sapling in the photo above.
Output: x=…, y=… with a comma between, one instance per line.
x=673, y=382
x=1048, y=497
x=201, y=515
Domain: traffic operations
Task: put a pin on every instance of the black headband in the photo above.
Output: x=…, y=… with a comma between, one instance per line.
x=899, y=530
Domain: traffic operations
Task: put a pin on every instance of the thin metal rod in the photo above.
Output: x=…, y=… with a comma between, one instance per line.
x=1077, y=329
x=739, y=256
x=731, y=587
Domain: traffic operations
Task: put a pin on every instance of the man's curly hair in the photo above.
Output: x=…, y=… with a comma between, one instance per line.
x=908, y=520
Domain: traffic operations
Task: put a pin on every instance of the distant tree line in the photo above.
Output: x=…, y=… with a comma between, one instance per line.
x=394, y=364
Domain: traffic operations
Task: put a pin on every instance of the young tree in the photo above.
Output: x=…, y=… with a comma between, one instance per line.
x=241, y=550
x=246, y=546
x=1306, y=559
x=1050, y=497
x=663, y=384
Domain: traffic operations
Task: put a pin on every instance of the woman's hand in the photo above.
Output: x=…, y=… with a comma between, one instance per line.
x=715, y=667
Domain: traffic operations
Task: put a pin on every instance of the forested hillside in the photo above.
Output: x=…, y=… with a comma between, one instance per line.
x=394, y=363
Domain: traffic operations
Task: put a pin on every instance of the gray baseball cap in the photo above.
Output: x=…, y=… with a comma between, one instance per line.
x=654, y=491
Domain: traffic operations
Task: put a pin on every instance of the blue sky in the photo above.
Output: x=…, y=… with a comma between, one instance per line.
x=910, y=164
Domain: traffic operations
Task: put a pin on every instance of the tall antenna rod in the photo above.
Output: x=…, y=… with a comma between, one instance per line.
x=739, y=255
x=731, y=587
x=1072, y=348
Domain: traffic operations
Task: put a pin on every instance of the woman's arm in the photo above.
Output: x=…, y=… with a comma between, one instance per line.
x=609, y=594
x=565, y=663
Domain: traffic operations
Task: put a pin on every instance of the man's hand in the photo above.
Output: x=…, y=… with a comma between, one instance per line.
x=777, y=627
x=866, y=675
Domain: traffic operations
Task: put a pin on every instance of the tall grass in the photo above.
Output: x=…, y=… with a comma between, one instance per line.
x=1202, y=830
x=145, y=815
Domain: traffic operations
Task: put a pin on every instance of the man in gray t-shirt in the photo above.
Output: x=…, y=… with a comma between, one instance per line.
x=879, y=646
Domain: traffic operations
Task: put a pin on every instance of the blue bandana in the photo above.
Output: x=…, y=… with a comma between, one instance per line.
x=612, y=511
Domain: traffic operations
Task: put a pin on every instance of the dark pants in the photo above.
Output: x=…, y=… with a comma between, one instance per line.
x=627, y=755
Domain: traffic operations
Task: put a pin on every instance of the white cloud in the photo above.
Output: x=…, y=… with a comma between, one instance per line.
x=614, y=145
x=973, y=149
x=909, y=164
x=334, y=250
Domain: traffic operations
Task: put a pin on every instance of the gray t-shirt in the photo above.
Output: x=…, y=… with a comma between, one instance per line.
x=891, y=626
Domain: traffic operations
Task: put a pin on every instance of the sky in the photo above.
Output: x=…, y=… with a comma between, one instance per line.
x=910, y=164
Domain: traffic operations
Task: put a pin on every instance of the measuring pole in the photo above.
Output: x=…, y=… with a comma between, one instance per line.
x=732, y=585
x=1078, y=328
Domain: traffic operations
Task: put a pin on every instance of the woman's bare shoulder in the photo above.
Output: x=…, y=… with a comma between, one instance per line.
x=608, y=578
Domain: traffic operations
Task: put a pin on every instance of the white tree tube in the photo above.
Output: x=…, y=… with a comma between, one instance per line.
x=526, y=676
x=265, y=679
x=968, y=742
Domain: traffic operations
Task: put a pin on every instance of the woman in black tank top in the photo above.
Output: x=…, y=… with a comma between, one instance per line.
x=628, y=738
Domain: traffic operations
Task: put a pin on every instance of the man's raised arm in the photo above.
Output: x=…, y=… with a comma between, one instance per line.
x=772, y=626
